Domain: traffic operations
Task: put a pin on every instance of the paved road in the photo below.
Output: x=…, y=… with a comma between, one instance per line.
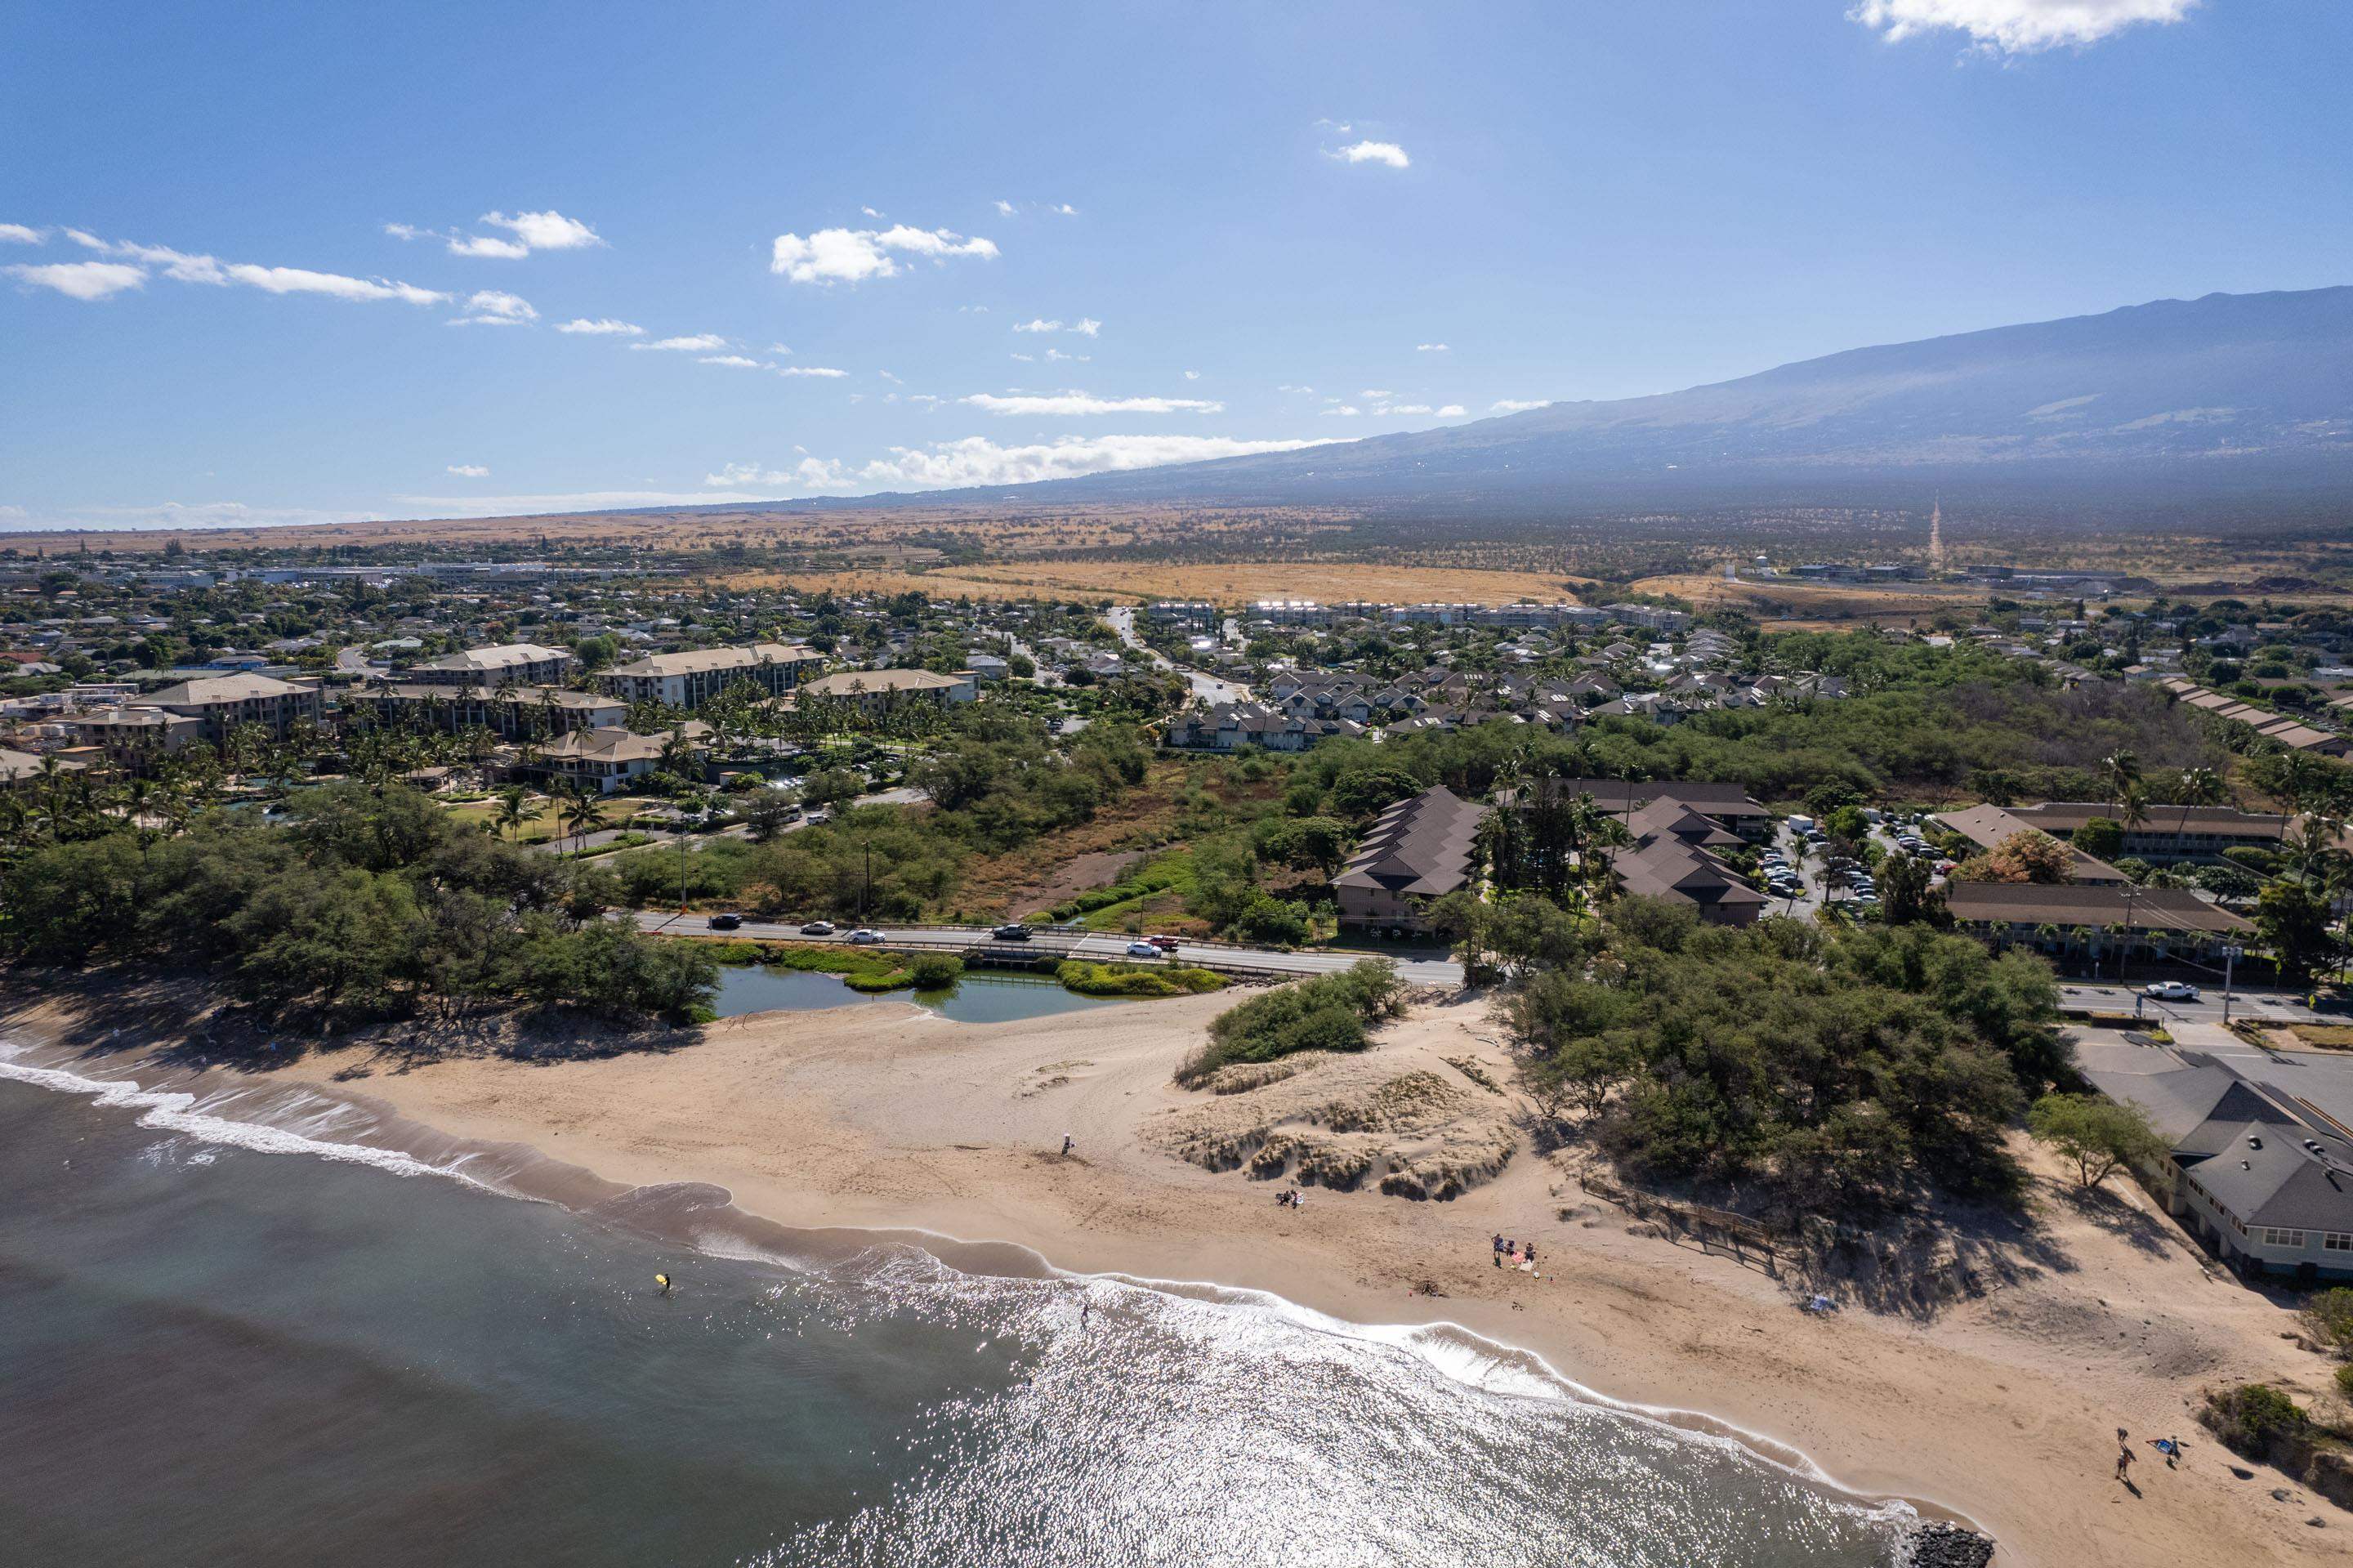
x=1419, y=972
x=2268, y=1003
x=1207, y=687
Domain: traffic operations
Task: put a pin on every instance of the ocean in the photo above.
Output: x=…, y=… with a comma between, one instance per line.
x=246, y=1329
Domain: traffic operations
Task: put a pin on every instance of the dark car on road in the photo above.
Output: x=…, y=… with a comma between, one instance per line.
x=1010, y=934
x=726, y=922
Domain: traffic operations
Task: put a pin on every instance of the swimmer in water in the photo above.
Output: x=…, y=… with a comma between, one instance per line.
x=662, y=1280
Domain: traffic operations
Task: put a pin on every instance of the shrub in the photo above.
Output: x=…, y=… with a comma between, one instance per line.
x=1330, y=1013
x=2329, y=1316
x=2345, y=1381
x=936, y=972
x=2252, y=1417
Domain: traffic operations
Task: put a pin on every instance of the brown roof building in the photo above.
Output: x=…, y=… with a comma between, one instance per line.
x=1420, y=849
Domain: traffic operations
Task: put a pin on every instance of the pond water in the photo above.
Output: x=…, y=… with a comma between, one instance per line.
x=976, y=999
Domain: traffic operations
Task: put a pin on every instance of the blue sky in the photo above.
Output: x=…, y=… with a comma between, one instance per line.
x=326, y=256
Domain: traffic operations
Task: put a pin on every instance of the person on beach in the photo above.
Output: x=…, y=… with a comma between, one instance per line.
x=1066, y=1146
x=2123, y=1465
x=2169, y=1447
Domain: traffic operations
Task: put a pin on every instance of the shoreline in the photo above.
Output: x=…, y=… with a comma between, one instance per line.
x=586, y=1193
x=825, y=1122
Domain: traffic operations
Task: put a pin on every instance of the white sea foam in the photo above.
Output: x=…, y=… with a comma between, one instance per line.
x=172, y=1111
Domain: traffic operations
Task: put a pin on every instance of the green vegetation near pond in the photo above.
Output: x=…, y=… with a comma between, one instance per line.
x=1091, y=979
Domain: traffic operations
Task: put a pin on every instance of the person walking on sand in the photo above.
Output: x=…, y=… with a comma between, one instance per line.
x=1066, y=1146
x=2123, y=1465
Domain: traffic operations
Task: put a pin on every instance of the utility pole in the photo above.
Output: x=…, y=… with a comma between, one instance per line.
x=2228, y=954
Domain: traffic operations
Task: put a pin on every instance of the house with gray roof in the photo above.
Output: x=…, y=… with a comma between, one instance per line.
x=1417, y=852
x=2262, y=1177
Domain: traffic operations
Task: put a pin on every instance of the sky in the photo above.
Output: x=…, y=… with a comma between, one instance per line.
x=286, y=264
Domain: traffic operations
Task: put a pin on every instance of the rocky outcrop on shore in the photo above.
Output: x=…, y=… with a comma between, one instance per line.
x=1941, y=1545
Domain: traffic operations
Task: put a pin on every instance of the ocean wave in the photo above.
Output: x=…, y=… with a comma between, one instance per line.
x=172, y=1110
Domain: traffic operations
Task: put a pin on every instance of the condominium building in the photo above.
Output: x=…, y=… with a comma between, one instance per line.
x=508, y=663
x=693, y=676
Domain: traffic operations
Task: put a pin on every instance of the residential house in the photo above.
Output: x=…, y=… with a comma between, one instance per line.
x=1417, y=852
x=2261, y=1175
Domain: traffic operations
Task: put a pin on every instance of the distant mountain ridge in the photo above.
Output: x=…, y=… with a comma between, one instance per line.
x=2228, y=392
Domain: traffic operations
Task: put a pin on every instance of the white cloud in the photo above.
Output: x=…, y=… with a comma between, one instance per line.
x=2016, y=26
x=1192, y=376
x=733, y=361
x=1451, y=412
x=530, y=230
x=81, y=280
x=780, y=348
x=702, y=343
x=487, y=245
x=468, y=471
x=1429, y=348
x=603, y=326
x=546, y=230
x=1517, y=405
x=1066, y=210
x=1056, y=353
x=17, y=234
x=1344, y=411
x=1086, y=403
x=303, y=280
x=976, y=461
x=854, y=255
x=1375, y=392
x=1387, y=153
x=869, y=212
x=1286, y=386
x=95, y=281
x=1403, y=409
x=1085, y=326
x=1027, y=358
x=1004, y=207
x=491, y=307
x=828, y=371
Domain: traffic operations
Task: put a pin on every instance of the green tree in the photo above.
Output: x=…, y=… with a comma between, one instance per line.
x=2100, y=1136
x=2293, y=924
x=2102, y=838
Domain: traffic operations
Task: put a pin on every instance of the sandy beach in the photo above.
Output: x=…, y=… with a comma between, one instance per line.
x=2002, y=1409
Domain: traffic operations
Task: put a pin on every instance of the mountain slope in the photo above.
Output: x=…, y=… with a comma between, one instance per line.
x=2228, y=392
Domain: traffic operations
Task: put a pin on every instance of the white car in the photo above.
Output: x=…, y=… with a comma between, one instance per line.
x=866, y=935
x=2170, y=991
x=1142, y=951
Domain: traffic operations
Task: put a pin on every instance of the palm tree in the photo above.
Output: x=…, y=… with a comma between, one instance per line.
x=514, y=811
x=578, y=814
x=2199, y=787
x=2132, y=811
x=2123, y=770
